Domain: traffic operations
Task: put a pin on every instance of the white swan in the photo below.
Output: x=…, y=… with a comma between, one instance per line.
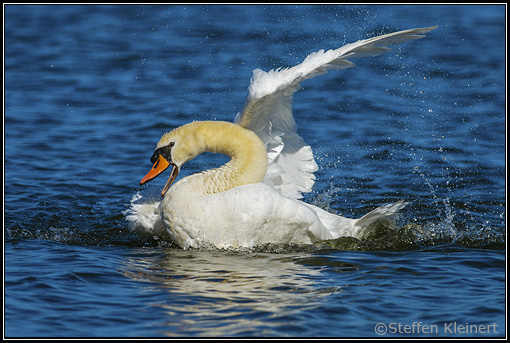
x=253, y=199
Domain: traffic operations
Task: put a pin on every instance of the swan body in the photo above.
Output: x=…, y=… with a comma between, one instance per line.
x=254, y=198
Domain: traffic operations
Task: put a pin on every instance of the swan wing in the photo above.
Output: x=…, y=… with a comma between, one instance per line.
x=268, y=108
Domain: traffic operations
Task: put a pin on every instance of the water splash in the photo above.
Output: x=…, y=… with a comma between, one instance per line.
x=446, y=226
x=446, y=230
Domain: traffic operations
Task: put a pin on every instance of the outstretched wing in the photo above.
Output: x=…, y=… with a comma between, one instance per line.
x=268, y=108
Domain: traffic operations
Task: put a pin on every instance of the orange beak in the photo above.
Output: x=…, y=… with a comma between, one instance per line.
x=160, y=166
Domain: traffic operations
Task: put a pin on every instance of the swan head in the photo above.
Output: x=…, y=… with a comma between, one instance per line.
x=162, y=159
x=173, y=149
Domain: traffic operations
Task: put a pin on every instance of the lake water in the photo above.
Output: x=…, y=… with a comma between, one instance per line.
x=89, y=90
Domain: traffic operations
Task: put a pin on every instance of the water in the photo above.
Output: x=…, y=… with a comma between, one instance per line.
x=90, y=89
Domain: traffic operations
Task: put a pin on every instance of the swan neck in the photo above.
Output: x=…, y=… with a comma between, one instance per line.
x=248, y=156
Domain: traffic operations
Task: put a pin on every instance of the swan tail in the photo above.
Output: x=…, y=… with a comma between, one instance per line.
x=385, y=215
x=338, y=226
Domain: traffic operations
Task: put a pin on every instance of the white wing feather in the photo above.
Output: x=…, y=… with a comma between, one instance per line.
x=268, y=108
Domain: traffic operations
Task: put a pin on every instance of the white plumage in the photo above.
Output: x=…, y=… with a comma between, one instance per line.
x=253, y=199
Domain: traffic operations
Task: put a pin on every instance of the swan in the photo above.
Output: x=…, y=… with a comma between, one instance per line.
x=255, y=197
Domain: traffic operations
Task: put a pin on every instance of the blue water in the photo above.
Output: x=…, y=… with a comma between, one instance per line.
x=89, y=90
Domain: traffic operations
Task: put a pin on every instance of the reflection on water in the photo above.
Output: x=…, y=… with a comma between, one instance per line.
x=205, y=293
x=67, y=290
x=246, y=292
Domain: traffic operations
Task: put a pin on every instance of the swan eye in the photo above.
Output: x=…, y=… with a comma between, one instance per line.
x=172, y=144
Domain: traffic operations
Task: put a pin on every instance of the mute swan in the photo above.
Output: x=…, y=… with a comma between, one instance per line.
x=254, y=198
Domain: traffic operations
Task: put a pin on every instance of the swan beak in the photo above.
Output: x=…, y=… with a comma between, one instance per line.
x=160, y=166
x=171, y=179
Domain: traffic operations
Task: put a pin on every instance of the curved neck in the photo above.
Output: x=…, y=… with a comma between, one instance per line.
x=248, y=155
